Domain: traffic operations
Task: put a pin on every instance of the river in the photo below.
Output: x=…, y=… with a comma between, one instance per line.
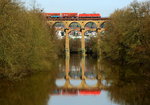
x=78, y=80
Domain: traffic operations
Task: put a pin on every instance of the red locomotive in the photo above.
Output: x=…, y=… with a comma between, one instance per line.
x=96, y=15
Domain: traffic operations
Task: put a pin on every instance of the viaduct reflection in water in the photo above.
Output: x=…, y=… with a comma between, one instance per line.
x=78, y=80
x=78, y=77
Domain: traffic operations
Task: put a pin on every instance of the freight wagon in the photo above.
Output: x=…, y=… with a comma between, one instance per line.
x=69, y=15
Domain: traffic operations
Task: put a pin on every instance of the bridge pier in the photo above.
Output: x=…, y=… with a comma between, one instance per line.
x=67, y=49
x=83, y=67
x=67, y=67
x=83, y=42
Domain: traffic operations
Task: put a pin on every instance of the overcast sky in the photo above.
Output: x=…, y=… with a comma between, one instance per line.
x=104, y=7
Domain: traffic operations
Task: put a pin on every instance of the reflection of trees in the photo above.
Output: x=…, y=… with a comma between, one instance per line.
x=75, y=45
x=33, y=90
x=91, y=46
x=90, y=64
x=126, y=87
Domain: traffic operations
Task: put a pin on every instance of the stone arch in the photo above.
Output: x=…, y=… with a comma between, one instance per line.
x=74, y=25
x=59, y=25
x=90, y=25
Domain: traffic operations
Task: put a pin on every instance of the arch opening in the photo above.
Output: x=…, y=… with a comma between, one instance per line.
x=90, y=25
x=74, y=25
x=59, y=25
x=103, y=25
x=75, y=41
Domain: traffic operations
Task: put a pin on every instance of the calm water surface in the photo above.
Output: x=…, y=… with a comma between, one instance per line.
x=78, y=81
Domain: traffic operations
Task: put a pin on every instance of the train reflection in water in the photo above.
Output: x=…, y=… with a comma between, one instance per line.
x=75, y=92
x=78, y=80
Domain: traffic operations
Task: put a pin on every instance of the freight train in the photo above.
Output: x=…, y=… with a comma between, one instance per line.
x=71, y=15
